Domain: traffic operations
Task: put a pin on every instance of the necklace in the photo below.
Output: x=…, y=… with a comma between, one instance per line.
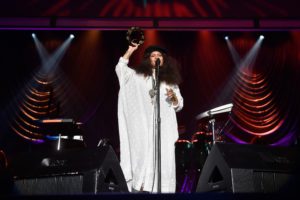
x=152, y=92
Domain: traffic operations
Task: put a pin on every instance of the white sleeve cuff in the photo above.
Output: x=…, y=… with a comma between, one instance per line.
x=123, y=60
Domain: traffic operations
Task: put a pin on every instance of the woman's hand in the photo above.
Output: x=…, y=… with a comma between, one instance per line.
x=172, y=96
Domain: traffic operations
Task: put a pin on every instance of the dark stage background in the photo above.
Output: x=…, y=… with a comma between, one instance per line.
x=86, y=74
x=53, y=76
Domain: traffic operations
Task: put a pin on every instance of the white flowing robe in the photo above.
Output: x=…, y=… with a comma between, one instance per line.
x=136, y=131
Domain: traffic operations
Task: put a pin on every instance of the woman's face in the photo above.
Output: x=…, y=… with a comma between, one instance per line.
x=154, y=56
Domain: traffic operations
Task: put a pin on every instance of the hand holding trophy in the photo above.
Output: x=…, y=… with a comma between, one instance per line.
x=135, y=37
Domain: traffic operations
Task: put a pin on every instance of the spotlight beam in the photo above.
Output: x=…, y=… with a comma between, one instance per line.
x=40, y=49
x=247, y=61
x=250, y=58
x=53, y=61
x=234, y=53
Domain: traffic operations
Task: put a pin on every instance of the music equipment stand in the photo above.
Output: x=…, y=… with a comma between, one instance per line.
x=211, y=114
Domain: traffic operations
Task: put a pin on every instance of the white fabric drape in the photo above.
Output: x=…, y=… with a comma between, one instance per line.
x=136, y=131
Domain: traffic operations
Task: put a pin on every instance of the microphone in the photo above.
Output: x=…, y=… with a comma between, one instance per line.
x=157, y=62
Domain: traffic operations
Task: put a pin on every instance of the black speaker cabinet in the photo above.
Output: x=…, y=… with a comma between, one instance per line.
x=247, y=168
x=73, y=171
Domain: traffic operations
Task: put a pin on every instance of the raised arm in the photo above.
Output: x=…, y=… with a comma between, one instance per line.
x=122, y=69
x=130, y=50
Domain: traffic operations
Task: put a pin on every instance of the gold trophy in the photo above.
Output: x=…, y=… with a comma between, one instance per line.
x=135, y=35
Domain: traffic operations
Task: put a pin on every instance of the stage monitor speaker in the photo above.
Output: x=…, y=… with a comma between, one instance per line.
x=73, y=171
x=247, y=168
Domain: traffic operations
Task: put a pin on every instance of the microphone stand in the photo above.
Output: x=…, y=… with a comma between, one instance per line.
x=158, y=127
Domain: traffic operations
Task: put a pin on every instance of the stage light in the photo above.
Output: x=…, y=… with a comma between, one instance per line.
x=33, y=35
x=72, y=36
x=226, y=37
x=261, y=37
